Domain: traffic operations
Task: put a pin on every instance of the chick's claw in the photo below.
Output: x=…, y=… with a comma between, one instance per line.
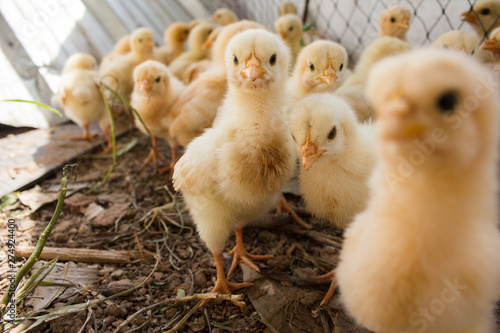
x=239, y=253
x=333, y=286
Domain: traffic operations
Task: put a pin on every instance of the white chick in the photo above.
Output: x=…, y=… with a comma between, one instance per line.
x=155, y=91
x=462, y=41
x=195, y=52
x=319, y=67
x=287, y=8
x=121, y=47
x=197, y=107
x=483, y=17
x=428, y=244
x=289, y=27
x=395, y=22
x=224, y=16
x=118, y=75
x=337, y=156
x=353, y=89
x=80, y=96
x=492, y=44
x=174, y=37
x=251, y=134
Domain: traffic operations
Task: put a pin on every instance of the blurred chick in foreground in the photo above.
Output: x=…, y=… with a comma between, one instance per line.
x=483, y=17
x=337, y=155
x=289, y=27
x=319, y=68
x=195, y=52
x=492, y=44
x=118, y=75
x=224, y=16
x=395, y=22
x=155, y=91
x=462, y=41
x=121, y=47
x=197, y=107
x=251, y=134
x=174, y=37
x=428, y=244
x=80, y=96
x=353, y=89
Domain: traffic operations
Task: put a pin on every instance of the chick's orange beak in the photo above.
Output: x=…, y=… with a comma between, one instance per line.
x=252, y=70
x=470, y=17
x=404, y=25
x=309, y=152
x=145, y=85
x=207, y=44
x=491, y=45
x=394, y=115
x=329, y=75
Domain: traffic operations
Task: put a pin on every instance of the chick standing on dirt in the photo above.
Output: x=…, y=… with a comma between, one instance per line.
x=80, y=96
x=428, y=244
x=234, y=172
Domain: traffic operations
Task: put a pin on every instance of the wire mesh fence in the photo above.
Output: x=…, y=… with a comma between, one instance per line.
x=355, y=23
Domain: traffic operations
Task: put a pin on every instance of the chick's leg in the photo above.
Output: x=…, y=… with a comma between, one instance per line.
x=223, y=285
x=170, y=168
x=86, y=134
x=109, y=140
x=333, y=286
x=154, y=153
x=284, y=205
x=239, y=253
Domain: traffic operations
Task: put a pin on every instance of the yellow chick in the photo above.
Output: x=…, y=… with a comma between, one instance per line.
x=492, y=44
x=224, y=16
x=121, y=47
x=395, y=22
x=289, y=27
x=174, y=37
x=483, y=17
x=287, y=8
x=118, y=75
x=353, y=89
x=197, y=107
x=462, y=41
x=195, y=52
x=251, y=134
x=155, y=91
x=428, y=244
x=80, y=96
x=319, y=67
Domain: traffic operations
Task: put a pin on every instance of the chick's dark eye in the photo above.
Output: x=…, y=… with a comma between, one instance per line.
x=293, y=137
x=472, y=53
x=235, y=60
x=186, y=31
x=393, y=19
x=140, y=40
x=290, y=29
x=341, y=66
x=311, y=67
x=485, y=11
x=157, y=79
x=272, y=60
x=332, y=133
x=447, y=101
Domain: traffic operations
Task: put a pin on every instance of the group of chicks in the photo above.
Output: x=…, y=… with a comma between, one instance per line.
x=401, y=151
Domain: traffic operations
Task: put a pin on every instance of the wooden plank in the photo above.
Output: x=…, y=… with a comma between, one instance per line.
x=107, y=18
x=77, y=255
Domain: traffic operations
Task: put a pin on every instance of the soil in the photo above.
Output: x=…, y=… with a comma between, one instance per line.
x=123, y=215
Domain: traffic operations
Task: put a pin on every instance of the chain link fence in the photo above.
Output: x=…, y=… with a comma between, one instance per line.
x=354, y=23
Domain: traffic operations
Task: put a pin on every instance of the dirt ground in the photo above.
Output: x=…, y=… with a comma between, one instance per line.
x=123, y=215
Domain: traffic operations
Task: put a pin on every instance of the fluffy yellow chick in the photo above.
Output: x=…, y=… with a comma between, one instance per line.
x=155, y=91
x=251, y=134
x=287, y=8
x=492, y=44
x=428, y=244
x=80, y=96
x=462, y=41
x=353, y=89
x=197, y=106
x=319, y=66
x=121, y=47
x=195, y=52
x=174, y=37
x=483, y=17
x=224, y=16
x=395, y=22
x=289, y=27
x=118, y=75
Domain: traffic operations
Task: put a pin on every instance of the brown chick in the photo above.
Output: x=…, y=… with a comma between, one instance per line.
x=287, y=8
x=121, y=47
x=80, y=96
x=395, y=22
x=197, y=107
x=118, y=75
x=174, y=37
x=195, y=52
x=224, y=16
x=483, y=17
x=428, y=244
x=319, y=66
x=353, y=89
x=155, y=91
x=251, y=134
x=289, y=27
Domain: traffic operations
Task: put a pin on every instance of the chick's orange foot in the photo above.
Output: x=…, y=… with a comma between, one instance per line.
x=283, y=205
x=154, y=154
x=333, y=286
x=240, y=254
